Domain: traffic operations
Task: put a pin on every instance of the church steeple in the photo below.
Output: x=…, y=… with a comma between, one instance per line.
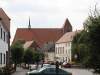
x=67, y=27
x=29, y=26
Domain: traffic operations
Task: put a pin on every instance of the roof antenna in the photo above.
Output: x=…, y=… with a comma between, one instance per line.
x=29, y=26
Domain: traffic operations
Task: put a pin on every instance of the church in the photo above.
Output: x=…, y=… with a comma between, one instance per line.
x=42, y=35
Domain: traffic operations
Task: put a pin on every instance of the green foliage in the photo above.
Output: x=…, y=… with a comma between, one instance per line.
x=21, y=41
x=92, y=26
x=17, y=52
x=37, y=54
x=79, y=47
x=28, y=55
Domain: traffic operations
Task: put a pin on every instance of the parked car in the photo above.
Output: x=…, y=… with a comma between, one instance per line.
x=52, y=63
x=46, y=65
x=48, y=71
x=65, y=65
x=60, y=63
x=72, y=63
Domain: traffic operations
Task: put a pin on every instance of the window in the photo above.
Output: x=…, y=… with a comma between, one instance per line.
x=6, y=38
x=63, y=50
x=0, y=58
x=66, y=51
x=58, y=50
x=4, y=58
x=69, y=51
x=68, y=44
x=46, y=70
x=1, y=33
x=66, y=58
x=4, y=35
x=63, y=58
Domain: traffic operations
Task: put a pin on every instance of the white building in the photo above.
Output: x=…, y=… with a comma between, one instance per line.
x=49, y=51
x=4, y=32
x=4, y=38
x=63, y=47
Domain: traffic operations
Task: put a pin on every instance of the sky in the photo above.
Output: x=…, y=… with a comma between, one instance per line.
x=47, y=13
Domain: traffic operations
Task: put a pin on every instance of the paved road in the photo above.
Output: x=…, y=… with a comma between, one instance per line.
x=20, y=71
x=76, y=71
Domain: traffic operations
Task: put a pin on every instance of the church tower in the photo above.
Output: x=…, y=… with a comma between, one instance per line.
x=67, y=27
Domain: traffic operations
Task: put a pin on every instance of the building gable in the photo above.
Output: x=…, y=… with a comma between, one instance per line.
x=67, y=27
x=30, y=44
x=5, y=18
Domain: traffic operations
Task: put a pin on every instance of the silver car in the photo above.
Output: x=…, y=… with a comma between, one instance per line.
x=48, y=71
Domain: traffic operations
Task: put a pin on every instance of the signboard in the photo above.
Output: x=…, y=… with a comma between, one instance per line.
x=40, y=57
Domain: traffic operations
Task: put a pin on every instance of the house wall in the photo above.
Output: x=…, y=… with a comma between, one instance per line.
x=63, y=52
x=3, y=45
x=34, y=45
x=50, y=56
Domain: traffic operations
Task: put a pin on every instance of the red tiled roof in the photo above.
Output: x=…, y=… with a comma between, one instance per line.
x=5, y=18
x=67, y=37
x=40, y=35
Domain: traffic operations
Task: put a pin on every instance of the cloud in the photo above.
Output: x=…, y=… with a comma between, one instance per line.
x=47, y=13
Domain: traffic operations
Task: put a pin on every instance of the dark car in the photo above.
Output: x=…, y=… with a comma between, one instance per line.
x=60, y=63
x=48, y=71
x=65, y=65
x=52, y=63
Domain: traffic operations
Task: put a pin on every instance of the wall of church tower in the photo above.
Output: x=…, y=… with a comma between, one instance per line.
x=67, y=29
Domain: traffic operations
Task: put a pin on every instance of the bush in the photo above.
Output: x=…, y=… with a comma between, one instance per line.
x=7, y=69
x=1, y=71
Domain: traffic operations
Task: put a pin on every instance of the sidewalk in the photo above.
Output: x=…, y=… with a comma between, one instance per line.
x=20, y=71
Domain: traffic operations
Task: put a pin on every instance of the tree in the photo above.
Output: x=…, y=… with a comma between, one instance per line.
x=79, y=47
x=92, y=26
x=21, y=41
x=17, y=53
x=38, y=56
x=28, y=56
